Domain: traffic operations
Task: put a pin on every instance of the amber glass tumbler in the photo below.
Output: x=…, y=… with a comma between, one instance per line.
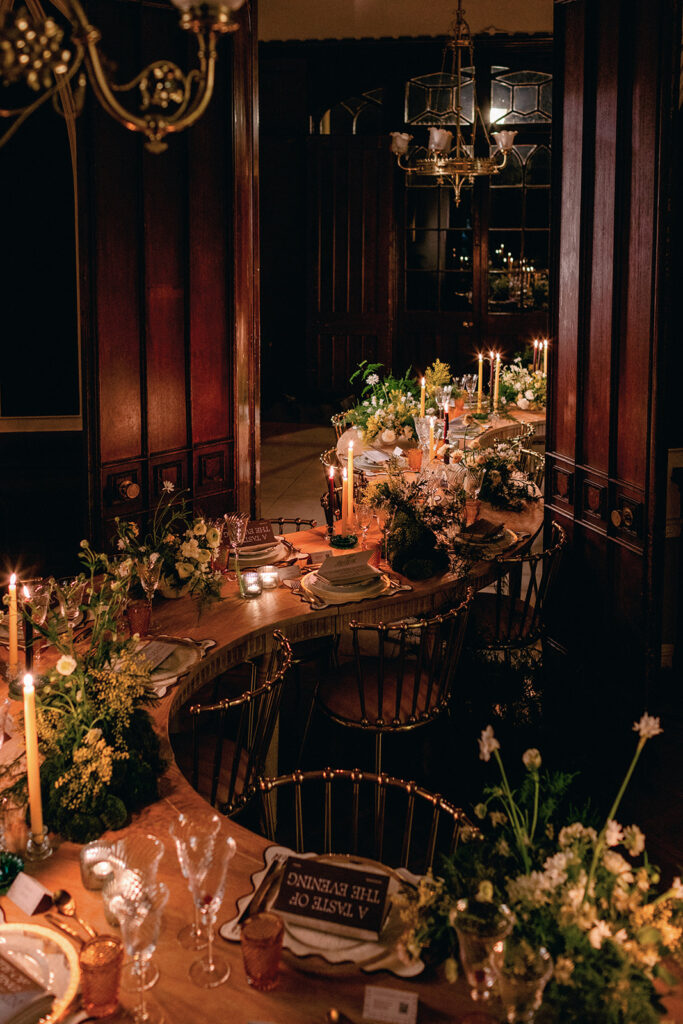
x=261, y=945
x=100, y=961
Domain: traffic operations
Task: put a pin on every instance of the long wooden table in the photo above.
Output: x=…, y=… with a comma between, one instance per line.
x=243, y=629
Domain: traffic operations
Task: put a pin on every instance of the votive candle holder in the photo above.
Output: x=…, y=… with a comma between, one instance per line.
x=270, y=577
x=96, y=868
x=252, y=584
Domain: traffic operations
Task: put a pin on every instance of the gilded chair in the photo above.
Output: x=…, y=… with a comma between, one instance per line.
x=508, y=432
x=399, y=678
x=340, y=421
x=533, y=465
x=298, y=524
x=230, y=738
x=349, y=812
x=510, y=618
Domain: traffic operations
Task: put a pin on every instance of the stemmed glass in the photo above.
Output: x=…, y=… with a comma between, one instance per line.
x=207, y=886
x=469, y=383
x=148, y=568
x=474, y=477
x=422, y=431
x=443, y=397
x=134, y=861
x=139, y=910
x=236, y=529
x=194, y=845
x=38, y=605
x=364, y=516
x=69, y=596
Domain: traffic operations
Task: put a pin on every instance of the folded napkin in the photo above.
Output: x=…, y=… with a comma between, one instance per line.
x=482, y=529
x=373, y=455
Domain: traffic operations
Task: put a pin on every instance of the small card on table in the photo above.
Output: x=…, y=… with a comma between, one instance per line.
x=29, y=895
x=345, y=569
x=348, y=901
x=156, y=652
x=259, y=531
x=390, y=1005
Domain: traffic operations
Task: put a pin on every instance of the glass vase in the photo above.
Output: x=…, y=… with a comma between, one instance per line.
x=481, y=930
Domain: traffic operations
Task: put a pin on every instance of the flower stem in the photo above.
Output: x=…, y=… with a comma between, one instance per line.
x=513, y=812
x=535, y=817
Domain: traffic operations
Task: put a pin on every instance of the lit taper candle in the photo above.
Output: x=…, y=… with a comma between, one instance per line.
x=13, y=662
x=350, y=483
x=32, y=764
x=28, y=630
x=345, y=503
x=423, y=387
x=496, y=385
x=480, y=381
x=545, y=357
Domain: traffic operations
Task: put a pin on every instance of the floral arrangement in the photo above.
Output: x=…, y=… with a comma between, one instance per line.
x=186, y=545
x=499, y=462
x=101, y=756
x=417, y=514
x=522, y=387
x=388, y=404
x=588, y=896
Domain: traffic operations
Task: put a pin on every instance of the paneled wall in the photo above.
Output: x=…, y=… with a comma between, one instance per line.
x=607, y=432
x=170, y=290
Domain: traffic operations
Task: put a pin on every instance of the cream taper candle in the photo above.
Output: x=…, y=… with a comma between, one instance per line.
x=350, y=483
x=13, y=659
x=345, y=503
x=32, y=763
x=480, y=382
x=423, y=386
x=496, y=385
x=545, y=357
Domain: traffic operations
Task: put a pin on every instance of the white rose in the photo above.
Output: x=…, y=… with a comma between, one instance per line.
x=199, y=528
x=522, y=403
x=184, y=570
x=388, y=436
x=66, y=665
x=190, y=549
x=529, y=394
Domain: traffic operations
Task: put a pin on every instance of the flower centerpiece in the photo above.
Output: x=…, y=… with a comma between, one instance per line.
x=185, y=543
x=416, y=516
x=588, y=895
x=521, y=386
x=387, y=405
x=500, y=486
x=101, y=756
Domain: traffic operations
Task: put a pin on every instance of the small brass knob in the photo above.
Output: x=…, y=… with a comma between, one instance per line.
x=627, y=517
x=468, y=323
x=615, y=516
x=129, y=490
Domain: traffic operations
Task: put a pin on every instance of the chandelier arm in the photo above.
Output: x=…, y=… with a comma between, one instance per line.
x=189, y=81
x=23, y=113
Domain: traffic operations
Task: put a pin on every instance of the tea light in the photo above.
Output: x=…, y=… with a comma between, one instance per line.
x=252, y=584
x=270, y=577
x=96, y=868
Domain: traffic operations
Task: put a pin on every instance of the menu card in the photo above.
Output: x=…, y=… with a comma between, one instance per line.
x=259, y=531
x=156, y=652
x=345, y=569
x=21, y=998
x=333, y=898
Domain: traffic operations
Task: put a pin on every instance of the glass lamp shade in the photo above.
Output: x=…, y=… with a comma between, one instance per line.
x=439, y=140
x=504, y=140
x=400, y=143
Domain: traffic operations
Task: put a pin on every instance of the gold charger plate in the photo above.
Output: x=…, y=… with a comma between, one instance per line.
x=488, y=549
x=49, y=957
x=332, y=595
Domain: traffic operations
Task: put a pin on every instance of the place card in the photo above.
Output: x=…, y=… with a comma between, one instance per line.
x=259, y=531
x=29, y=895
x=351, y=568
x=156, y=652
x=339, y=899
x=390, y=1005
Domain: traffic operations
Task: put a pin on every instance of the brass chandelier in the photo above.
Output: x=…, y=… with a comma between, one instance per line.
x=37, y=57
x=447, y=157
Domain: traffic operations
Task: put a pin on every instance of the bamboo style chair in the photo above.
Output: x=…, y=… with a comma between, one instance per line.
x=511, y=618
x=230, y=738
x=298, y=524
x=405, y=682
x=349, y=812
x=508, y=432
x=533, y=465
x=340, y=422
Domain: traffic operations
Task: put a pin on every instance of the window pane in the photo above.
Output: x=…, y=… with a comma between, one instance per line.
x=511, y=173
x=546, y=99
x=501, y=100
x=421, y=290
x=456, y=291
x=501, y=293
x=539, y=290
x=506, y=208
x=537, y=214
x=526, y=99
x=460, y=216
x=458, y=250
x=422, y=207
x=537, y=168
x=504, y=245
x=421, y=250
x=536, y=248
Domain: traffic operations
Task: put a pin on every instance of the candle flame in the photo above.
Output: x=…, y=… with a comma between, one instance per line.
x=27, y=593
x=424, y=382
x=28, y=683
x=350, y=446
x=331, y=472
x=13, y=580
x=481, y=356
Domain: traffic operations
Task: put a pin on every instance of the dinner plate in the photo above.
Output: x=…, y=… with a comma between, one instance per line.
x=317, y=952
x=375, y=578
x=48, y=957
x=257, y=549
x=337, y=595
x=274, y=554
x=184, y=655
x=491, y=548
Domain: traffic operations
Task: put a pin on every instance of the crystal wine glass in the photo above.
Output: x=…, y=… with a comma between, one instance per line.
x=469, y=383
x=69, y=596
x=236, y=529
x=148, y=568
x=481, y=940
x=364, y=516
x=38, y=606
x=472, y=482
x=208, y=887
x=139, y=911
x=194, y=843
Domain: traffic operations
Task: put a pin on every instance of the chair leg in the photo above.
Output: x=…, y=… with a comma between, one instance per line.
x=378, y=753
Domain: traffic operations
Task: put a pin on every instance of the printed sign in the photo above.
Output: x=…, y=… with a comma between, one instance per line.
x=333, y=898
x=259, y=531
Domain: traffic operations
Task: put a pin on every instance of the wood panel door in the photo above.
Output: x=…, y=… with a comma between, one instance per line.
x=605, y=481
x=351, y=271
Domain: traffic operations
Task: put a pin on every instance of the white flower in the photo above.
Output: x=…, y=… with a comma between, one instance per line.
x=531, y=759
x=617, y=865
x=554, y=870
x=598, y=933
x=204, y=556
x=366, y=402
x=168, y=486
x=527, y=889
x=120, y=544
x=488, y=743
x=529, y=394
x=614, y=834
x=634, y=840
x=91, y=737
x=374, y=400
x=372, y=379
x=485, y=892
x=125, y=568
x=576, y=831
x=523, y=403
x=184, y=570
x=388, y=437
x=213, y=537
x=677, y=888
x=647, y=727
x=199, y=528
x=503, y=847
x=66, y=665
x=498, y=817
x=564, y=968
x=189, y=549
